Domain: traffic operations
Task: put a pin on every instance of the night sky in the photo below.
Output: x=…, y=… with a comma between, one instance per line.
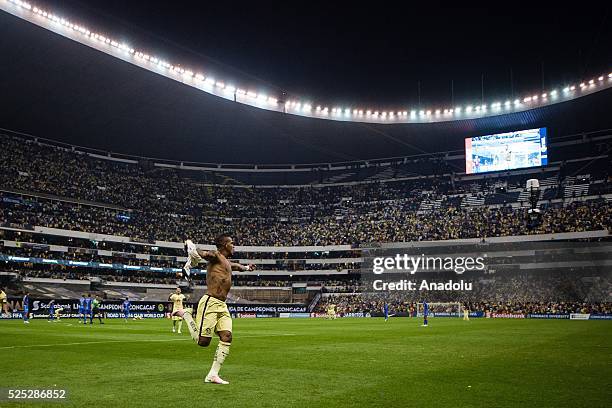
x=372, y=55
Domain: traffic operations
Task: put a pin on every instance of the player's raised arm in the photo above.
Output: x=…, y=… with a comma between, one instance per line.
x=209, y=256
x=242, y=268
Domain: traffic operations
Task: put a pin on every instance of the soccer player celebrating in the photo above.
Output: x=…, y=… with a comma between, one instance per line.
x=26, y=307
x=126, y=309
x=212, y=314
x=177, y=299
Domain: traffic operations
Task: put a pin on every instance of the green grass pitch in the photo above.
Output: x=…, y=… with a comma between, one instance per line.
x=317, y=363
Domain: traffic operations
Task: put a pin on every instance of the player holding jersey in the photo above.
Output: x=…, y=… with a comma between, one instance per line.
x=212, y=314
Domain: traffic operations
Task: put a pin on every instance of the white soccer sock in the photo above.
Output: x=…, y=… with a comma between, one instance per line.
x=180, y=325
x=220, y=354
x=192, y=326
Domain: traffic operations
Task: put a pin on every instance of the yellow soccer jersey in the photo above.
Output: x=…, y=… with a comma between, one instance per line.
x=177, y=300
x=2, y=296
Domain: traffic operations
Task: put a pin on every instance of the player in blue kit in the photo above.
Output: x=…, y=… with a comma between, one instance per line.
x=26, y=307
x=51, y=310
x=87, y=308
x=82, y=307
x=386, y=311
x=425, y=313
x=126, y=309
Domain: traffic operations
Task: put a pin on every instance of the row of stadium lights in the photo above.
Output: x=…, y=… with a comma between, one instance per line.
x=297, y=107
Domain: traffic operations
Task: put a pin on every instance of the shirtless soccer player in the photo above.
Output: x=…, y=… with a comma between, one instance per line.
x=212, y=315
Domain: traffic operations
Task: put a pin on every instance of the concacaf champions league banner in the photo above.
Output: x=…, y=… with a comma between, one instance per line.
x=39, y=308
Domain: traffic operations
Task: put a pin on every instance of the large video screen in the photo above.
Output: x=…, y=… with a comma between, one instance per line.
x=506, y=151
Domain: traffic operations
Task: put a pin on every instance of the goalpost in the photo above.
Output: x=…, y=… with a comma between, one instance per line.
x=441, y=309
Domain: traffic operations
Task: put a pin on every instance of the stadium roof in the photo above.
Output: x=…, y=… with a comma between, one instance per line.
x=63, y=90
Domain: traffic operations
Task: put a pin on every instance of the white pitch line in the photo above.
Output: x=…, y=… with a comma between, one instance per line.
x=88, y=342
x=128, y=341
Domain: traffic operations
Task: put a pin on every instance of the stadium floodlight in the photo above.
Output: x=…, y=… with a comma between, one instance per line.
x=220, y=84
x=307, y=108
x=368, y=112
x=517, y=102
x=230, y=89
x=458, y=109
x=102, y=40
x=210, y=81
x=468, y=109
x=412, y=113
x=240, y=91
x=272, y=100
x=553, y=92
x=360, y=112
x=347, y=111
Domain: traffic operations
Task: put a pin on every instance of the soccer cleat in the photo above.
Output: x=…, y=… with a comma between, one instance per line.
x=173, y=331
x=179, y=332
x=27, y=322
x=215, y=380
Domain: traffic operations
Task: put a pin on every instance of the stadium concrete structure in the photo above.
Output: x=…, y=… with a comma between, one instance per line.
x=144, y=125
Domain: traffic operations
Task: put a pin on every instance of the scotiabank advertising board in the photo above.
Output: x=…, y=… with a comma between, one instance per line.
x=39, y=308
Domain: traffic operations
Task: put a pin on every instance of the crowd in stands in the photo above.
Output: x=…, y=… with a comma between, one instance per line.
x=388, y=222
x=165, y=204
x=540, y=292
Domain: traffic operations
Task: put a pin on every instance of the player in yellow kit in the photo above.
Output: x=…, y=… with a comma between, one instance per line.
x=213, y=315
x=331, y=312
x=466, y=313
x=177, y=299
x=3, y=302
